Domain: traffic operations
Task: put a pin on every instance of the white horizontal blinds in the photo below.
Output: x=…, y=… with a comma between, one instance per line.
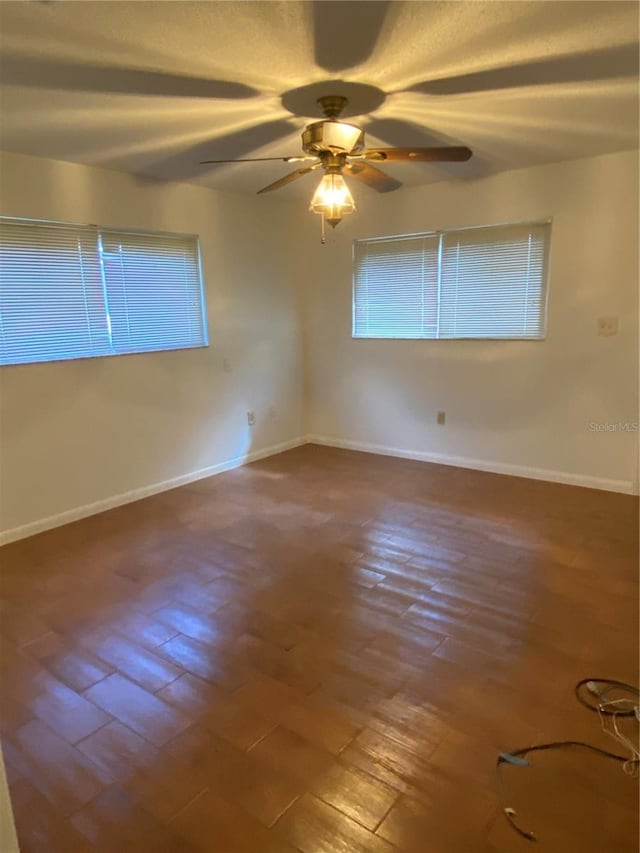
x=72, y=291
x=51, y=302
x=153, y=291
x=493, y=282
x=396, y=287
x=471, y=283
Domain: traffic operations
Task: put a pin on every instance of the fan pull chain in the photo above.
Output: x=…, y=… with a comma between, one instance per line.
x=323, y=238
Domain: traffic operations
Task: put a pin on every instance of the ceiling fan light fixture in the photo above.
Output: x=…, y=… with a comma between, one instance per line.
x=332, y=199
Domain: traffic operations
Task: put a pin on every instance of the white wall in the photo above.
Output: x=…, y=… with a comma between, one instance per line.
x=76, y=432
x=515, y=406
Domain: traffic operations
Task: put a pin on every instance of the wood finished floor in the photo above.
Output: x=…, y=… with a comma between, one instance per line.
x=321, y=652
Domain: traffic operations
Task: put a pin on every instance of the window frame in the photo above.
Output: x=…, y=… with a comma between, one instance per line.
x=546, y=221
x=99, y=231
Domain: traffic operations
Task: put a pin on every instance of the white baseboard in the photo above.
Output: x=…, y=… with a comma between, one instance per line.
x=625, y=486
x=79, y=512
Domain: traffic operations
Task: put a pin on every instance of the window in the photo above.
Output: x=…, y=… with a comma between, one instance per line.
x=471, y=283
x=76, y=291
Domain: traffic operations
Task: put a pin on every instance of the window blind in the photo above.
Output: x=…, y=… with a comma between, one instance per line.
x=74, y=291
x=471, y=283
x=51, y=295
x=396, y=287
x=154, y=293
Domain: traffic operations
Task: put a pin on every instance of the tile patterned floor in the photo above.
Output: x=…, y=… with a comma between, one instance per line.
x=320, y=652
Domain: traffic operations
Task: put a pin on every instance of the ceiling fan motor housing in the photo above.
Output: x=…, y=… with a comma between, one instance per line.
x=334, y=136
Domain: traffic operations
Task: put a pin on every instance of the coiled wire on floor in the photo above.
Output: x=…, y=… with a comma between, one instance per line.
x=611, y=700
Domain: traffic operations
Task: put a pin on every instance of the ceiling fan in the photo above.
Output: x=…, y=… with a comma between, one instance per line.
x=339, y=149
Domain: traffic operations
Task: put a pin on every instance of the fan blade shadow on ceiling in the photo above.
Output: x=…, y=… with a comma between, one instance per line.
x=88, y=77
x=346, y=31
x=185, y=164
x=403, y=133
x=587, y=66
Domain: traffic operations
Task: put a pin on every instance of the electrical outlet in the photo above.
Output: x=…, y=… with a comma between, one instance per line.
x=607, y=326
x=272, y=412
x=226, y=365
x=441, y=418
x=251, y=418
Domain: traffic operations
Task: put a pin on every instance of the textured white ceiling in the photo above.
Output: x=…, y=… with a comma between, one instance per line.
x=155, y=87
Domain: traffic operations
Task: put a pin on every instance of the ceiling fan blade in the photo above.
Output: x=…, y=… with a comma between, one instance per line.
x=292, y=176
x=92, y=77
x=372, y=177
x=442, y=154
x=295, y=159
x=600, y=64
